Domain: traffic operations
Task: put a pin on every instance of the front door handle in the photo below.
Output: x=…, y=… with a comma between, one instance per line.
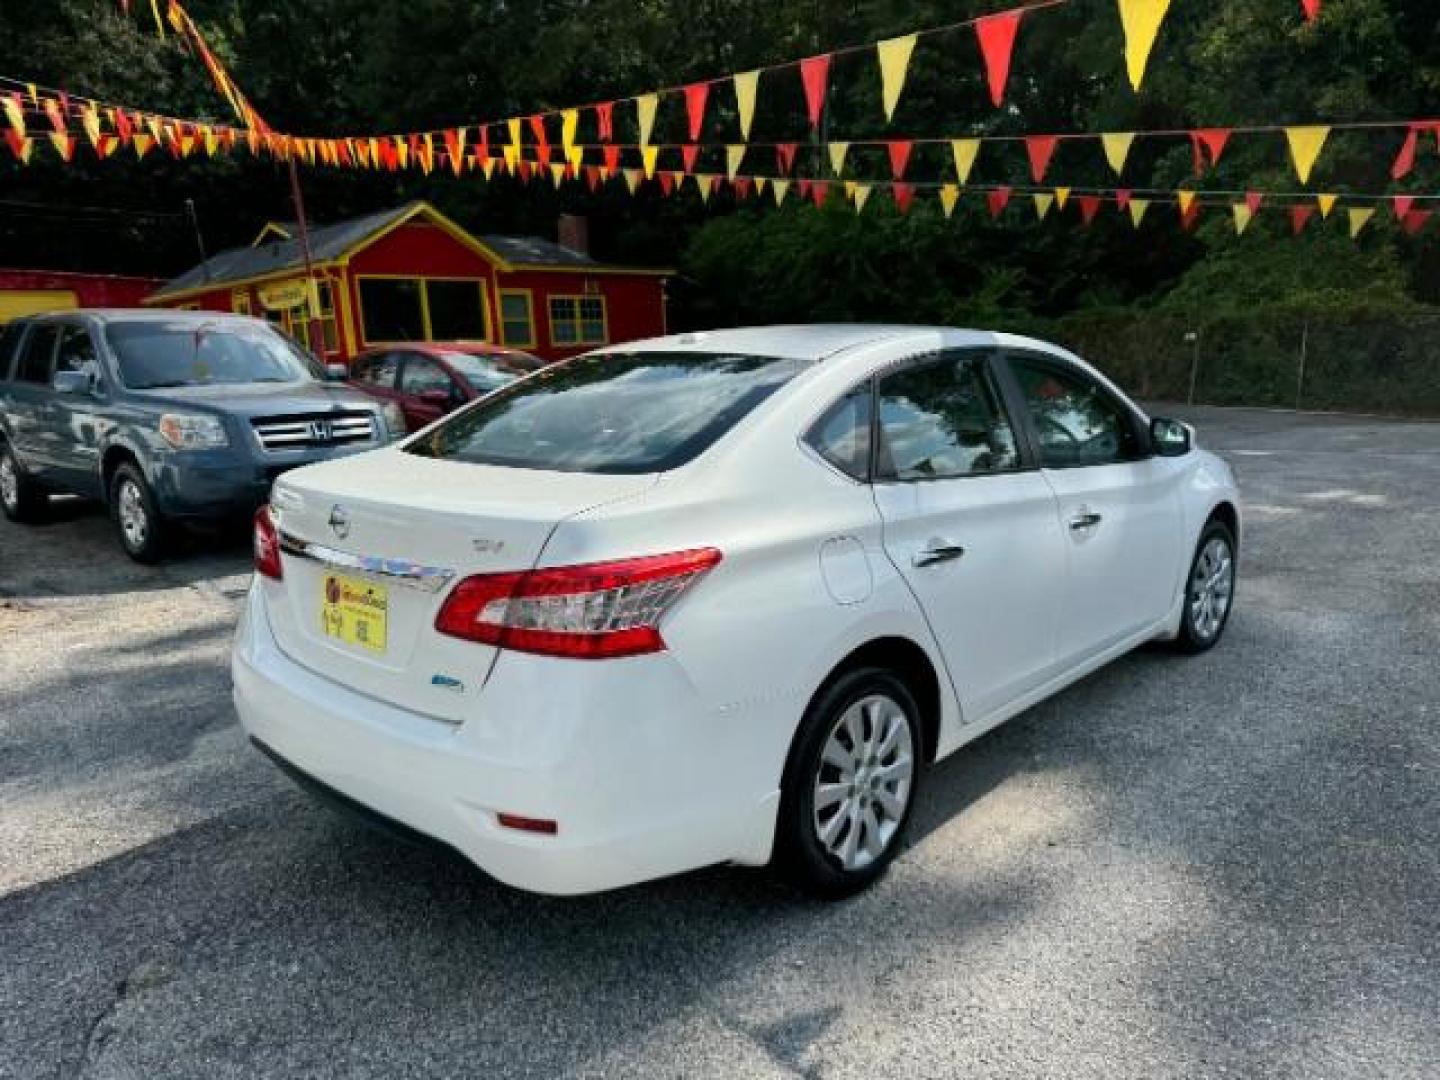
x=1085, y=520
x=938, y=551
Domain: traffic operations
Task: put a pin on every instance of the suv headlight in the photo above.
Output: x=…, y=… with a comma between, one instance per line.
x=394, y=420
x=193, y=431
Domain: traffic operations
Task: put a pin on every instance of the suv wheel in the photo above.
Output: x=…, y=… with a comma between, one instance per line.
x=20, y=497
x=142, y=529
x=850, y=784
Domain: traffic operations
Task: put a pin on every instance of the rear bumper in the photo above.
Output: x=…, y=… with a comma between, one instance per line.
x=637, y=792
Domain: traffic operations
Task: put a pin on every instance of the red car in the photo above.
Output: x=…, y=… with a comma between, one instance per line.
x=429, y=379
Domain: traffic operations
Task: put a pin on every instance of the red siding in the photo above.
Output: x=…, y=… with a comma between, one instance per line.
x=634, y=304
x=92, y=290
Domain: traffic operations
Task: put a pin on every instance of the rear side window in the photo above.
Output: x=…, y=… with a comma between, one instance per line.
x=39, y=352
x=9, y=346
x=618, y=413
x=842, y=435
x=943, y=419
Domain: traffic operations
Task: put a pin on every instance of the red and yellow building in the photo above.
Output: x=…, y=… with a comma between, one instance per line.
x=412, y=274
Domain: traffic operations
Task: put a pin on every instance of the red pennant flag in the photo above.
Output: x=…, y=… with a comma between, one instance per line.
x=820, y=191
x=482, y=149
x=1403, y=205
x=1406, y=159
x=997, y=44
x=1190, y=216
x=537, y=128
x=1122, y=199
x=122, y=126
x=899, y=156
x=1415, y=221
x=667, y=182
x=53, y=111
x=785, y=157
x=1300, y=217
x=343, y=152
x=998, y=199
x=802, y=187
x=1253, y=199
x=690, y=153
x=814, y=74
x=1041, y=149
x=1089, y=207
x=1312, y=9
x=1211, y=142
x=19, y=144
x=742, y=187
x=105, y=146
x=696, y=94
x=592, y=176
x=605, y=120
x=612, y=158
x=904, y=195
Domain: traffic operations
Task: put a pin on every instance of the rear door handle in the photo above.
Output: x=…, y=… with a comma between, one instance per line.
x=938, y=551
x=1085, y=520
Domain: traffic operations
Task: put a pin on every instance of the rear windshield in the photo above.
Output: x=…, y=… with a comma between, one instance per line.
x=153, y=353
x=616, y=413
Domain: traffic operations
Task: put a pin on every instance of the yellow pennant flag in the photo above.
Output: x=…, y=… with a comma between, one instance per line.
x=645, y=106
x=569, y=125
x=1327, y=204
x=1141, y=20
x=734, y=155
x=859, y=193
x=760, y=183
x=1187, y=200
x=212, y=140
x=1062, y=196
x=1305, y=146
x=1359, y=218
x=779, y=187
x=1137, y=210
x=402, y=151
x=576, y=156
x=487, y=166
x=649, y=155
x=894, y=65
x=838, y=150
x=27, y=147
x=142, y=143
x=90, y=120
x=746, y=83
x=511, y=152
x=1117, y=149
x=965, y=151
x=14, y=115
x=705, y=182
x=557, y=172
x=513, y=127
x=1043, y=202
x=632, y=179
x=949, y=196
x=1243, y=216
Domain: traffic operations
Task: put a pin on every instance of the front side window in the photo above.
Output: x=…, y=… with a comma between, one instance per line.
x=517, y=320
x=577, y=320
x=156, y=353
x=378, y=371
x=619, y=413
x=491, y=371
x=424, y=376
x=1077, y=422
x=943, y=419
x=9, y=346
x=77, y=350
x=38, y=355
x=842, y=435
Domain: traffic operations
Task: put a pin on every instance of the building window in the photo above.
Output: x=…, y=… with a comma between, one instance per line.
x=577, y=320
x=517, y=318
x=240, y=301
x=423, y=309
x=325, y=305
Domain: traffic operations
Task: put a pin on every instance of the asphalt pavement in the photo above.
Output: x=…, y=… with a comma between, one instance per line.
x=1219, y=866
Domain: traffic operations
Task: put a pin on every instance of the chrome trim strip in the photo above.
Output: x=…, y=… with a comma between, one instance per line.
x=412, y=575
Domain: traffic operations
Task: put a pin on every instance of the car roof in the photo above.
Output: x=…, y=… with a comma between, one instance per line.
x=143, y=315
x=811, y=342
x=438, y=348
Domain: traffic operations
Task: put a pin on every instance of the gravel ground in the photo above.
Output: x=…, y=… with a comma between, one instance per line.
x=1178, y=868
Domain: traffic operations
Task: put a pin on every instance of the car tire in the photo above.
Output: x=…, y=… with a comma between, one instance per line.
x=1209, y=590
x=21, y=498
x=143, y=530
x=849, y=784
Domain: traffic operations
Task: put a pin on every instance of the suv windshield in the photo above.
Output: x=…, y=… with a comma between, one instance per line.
x=486, y=373
x=152, y=353
x=616, y=413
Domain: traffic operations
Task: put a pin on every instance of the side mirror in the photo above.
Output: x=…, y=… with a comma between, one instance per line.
x=1171, y=438
x=73, y=382
x=336, y=372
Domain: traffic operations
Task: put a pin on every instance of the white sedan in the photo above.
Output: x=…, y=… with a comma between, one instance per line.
x=719, y=597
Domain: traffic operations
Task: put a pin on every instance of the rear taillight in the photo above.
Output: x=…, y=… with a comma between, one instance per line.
x=589, y=612
x=267, y=545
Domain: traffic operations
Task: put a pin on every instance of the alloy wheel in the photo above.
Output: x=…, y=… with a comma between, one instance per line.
x=1212, y=584
x=9, y=483
x=134, y=521
x=864, y=782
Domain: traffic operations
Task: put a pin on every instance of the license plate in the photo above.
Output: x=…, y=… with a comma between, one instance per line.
x=354, y=611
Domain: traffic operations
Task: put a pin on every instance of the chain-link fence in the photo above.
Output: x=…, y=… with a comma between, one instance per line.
x=1387, y=364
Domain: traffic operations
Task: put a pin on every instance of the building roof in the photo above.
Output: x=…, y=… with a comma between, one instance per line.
x=332, y=242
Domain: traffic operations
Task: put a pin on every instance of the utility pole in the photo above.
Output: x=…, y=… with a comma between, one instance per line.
x=1304, y=354
x=312, y=321
x=1194, y=337
x=199, y=237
